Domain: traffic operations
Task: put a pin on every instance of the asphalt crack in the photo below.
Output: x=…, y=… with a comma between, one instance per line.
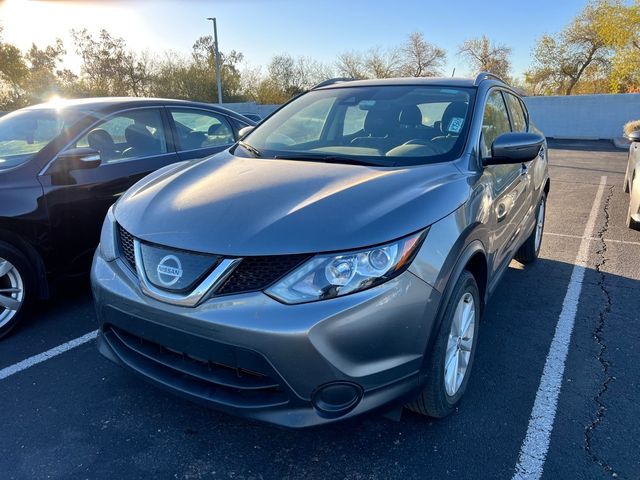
x=598, y=335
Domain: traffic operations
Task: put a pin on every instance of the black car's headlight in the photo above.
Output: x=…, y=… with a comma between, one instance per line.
x=333, y=275
x=108, y=237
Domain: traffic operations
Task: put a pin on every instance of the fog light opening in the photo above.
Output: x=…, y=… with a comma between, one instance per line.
x=337, y=398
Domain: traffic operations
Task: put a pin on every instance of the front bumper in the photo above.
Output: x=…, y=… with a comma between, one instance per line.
x=252, y=356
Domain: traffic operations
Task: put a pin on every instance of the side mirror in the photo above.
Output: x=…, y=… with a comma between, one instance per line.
x=78, y=159
x=243, y=132
x=515, y=147
x=633, y=136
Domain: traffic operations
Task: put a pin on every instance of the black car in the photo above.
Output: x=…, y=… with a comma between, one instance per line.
x=64, y=163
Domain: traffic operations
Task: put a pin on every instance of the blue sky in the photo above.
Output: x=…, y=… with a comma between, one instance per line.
x=319, y=29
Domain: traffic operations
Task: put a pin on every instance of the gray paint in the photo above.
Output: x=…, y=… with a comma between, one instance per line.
x=376, y=338
x=243, y=206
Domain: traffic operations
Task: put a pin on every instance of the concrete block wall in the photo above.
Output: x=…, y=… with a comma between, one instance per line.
x=588, y=117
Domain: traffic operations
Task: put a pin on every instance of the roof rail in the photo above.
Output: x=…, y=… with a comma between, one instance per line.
x=486, y=76
x=331, y=81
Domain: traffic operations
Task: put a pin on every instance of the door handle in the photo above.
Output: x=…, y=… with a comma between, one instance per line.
x=524, y=170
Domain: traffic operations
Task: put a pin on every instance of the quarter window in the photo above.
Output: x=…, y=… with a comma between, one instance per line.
x=197, y=129
x=127, y=136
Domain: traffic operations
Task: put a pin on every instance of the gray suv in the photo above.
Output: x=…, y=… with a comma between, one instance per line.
x=336, y=260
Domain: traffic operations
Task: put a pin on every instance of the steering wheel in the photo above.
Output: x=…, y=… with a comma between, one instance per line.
x=432, y=147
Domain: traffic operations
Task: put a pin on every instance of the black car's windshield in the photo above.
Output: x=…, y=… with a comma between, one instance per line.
x=393, y=125
x=25, y=132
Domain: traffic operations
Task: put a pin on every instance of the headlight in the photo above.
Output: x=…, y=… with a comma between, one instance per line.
x=334, y=275
x=108, y=237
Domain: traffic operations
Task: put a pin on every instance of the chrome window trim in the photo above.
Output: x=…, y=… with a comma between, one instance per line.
x=44, y=169
x=202, y=291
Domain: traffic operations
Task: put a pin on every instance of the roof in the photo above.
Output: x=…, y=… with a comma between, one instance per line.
x=106, y=103
x=436, y=81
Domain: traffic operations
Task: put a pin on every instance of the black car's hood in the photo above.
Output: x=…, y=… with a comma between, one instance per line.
x=243, y=206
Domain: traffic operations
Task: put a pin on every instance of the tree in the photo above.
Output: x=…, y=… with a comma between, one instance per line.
x=203, y=66
x=414, y=58
x=579, y=53
x=421, y=58
x=109, y=68
x=43, y=79
x=619, y=26
x=375, y=63
x=13, y=72
x=486, y=56
x=381, y=63
x=351, y=65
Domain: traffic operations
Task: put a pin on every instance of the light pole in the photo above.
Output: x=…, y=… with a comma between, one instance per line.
x=217, y=54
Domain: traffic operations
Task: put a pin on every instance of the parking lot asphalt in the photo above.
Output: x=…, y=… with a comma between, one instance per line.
x=79, y=416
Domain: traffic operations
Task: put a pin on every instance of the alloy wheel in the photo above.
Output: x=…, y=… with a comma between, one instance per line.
x=11, y=291
x=460, y=344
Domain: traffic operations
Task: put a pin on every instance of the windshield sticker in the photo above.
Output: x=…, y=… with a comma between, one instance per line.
x=455, y=125
x=366, y=104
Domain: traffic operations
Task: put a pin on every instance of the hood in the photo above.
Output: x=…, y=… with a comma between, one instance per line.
x=232, y=206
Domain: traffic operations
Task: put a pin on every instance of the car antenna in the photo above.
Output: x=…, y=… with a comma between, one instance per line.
x=454, y=72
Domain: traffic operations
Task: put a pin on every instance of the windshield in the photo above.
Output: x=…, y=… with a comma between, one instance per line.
x=25, y=132
x=379, y=125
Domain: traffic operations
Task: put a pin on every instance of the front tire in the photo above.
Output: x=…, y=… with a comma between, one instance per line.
x=16, y=285
x=631, y=223
x=625, y=187
x=530, y=249
x=452, y=356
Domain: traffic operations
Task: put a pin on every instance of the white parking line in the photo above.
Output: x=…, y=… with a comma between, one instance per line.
x=536, y=443
x=606, y=240
x=41, y=357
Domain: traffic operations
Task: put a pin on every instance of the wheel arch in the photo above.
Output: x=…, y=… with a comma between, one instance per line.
x=34, y=258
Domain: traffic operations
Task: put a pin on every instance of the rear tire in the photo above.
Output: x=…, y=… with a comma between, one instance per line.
x=454, y=347
x=17, y=283
x=530, y=249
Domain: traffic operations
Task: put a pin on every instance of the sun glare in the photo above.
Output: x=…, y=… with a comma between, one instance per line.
x=41, y=22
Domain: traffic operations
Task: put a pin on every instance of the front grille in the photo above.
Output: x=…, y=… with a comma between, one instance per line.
x=126, y=246
x=257, y=273
x=252, y=275
x=203, y=378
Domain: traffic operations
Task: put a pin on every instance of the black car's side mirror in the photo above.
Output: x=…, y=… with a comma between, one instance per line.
x=515, y=147
x=78, y=159
x=243, y=132
x=633, y=136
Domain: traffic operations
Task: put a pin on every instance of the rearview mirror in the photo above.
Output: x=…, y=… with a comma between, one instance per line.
x=633, y=136
x=78, y=159
x=515, y=147
x=243, y=132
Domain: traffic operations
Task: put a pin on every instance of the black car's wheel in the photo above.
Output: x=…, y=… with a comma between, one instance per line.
x=16, y=282
x=530, y=249
x=452, y=356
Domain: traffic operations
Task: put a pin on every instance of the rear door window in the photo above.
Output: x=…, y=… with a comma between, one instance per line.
x=200, y=129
